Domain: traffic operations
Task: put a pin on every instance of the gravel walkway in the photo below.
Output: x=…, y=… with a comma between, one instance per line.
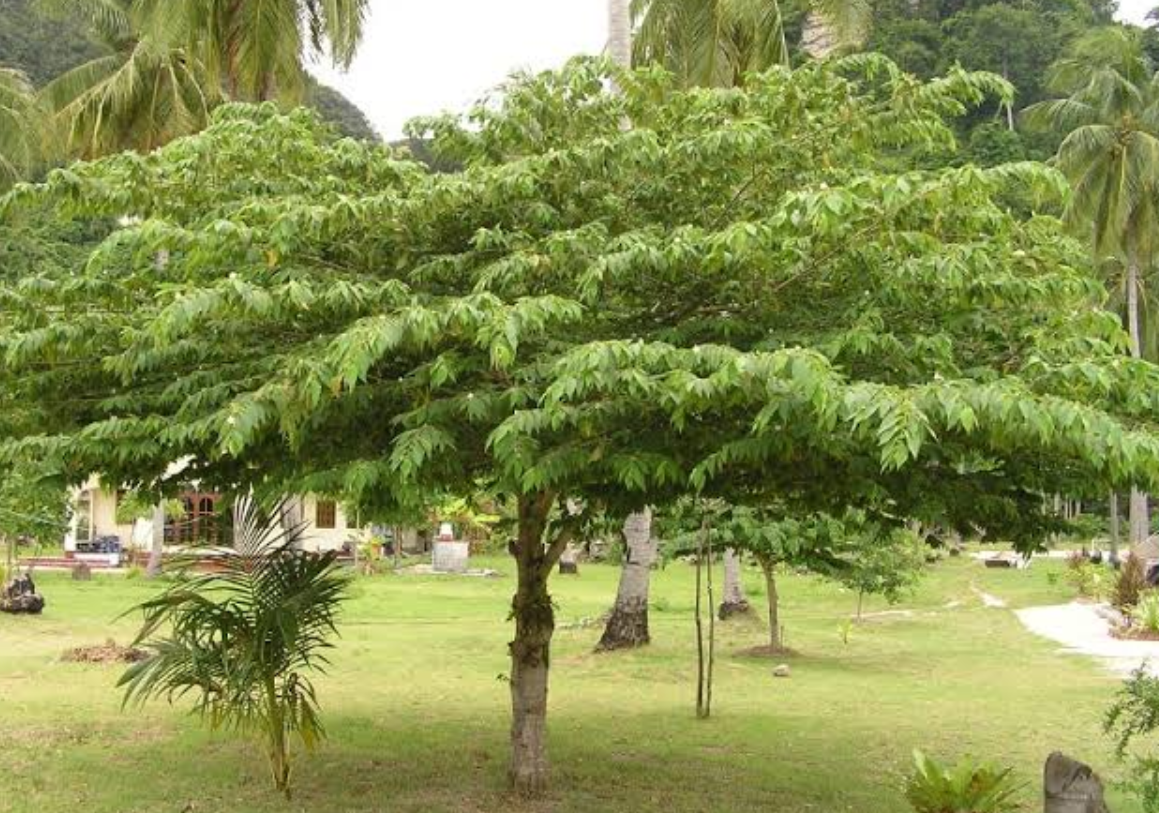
x=1083, y=631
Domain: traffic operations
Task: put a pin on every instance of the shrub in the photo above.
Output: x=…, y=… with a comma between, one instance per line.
x=1130, y=583
x=1135, y=713
x=1145, y=614
x=968, y=787
x=1088, y=579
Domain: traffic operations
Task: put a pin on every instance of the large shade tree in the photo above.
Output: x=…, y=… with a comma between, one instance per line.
x=728, y=293
x=1108, y=107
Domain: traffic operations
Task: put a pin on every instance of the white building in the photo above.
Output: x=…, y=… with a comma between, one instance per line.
x=94, y=524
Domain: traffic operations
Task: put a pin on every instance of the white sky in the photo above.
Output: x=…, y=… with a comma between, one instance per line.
x=424, y=57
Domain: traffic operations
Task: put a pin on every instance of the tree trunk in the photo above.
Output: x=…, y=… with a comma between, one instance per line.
x=157, y=551
x=733, y=600
x=627, y=626
x=818, y=39
x=620, y=33
x=1140, y=522
x=769, y=568
x=569, y=561
x=1113, y=506
x=530, y=650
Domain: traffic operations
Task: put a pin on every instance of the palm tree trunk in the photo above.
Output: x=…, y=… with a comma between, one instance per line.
x=627, y=626
x=620, y=33
x=733, y=600
x=1140, y=523
x=818, y=39
x=530, y=650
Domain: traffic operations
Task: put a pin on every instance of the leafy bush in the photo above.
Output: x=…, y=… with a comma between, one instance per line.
x=968, y=787
x=1088, y=579
x=1134, y=714
x=1145, y=614
x=1130, y=583
x=243, y=638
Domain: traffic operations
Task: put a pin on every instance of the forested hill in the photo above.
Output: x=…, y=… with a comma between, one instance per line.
x=45, y=48
x=1018, y=39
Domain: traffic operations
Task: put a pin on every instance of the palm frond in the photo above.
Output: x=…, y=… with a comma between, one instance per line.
x=242, y=637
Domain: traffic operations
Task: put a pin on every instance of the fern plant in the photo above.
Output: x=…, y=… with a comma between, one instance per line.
x=968, y=787
x=242, y=640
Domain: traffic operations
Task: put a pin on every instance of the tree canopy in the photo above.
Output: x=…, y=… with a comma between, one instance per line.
x=731, y=296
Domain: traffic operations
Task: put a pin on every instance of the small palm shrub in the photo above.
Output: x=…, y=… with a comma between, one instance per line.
x=1145, y=613
x=1130, y=583
x=242, y=640
x=968, y=787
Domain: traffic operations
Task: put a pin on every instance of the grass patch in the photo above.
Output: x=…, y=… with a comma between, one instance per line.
x=417, y=708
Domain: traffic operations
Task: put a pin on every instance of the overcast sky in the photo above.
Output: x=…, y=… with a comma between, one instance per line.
x=425, y=57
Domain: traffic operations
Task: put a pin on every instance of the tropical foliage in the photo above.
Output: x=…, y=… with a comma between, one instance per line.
x=714, y=43
x=23, y=127
x=728, y=297
x=1133, y=721
x=967, y=787
x=243, y=639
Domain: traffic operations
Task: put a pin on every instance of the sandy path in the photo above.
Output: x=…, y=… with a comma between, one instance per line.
x=1082, y=631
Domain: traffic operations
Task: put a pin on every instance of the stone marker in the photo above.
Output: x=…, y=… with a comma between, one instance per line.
x=1071, y=787
x=449, y=556
x=782, y=671
x=81, y=572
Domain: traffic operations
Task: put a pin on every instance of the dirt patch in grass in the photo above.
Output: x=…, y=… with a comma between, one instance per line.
x=108, y=652
x=767, y=651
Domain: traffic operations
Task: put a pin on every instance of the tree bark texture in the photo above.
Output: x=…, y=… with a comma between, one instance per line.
x=733, y=600
x=627, y=627
x=1139, y=518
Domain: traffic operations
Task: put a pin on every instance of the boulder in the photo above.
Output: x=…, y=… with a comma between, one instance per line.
x=19, y=596
x=1071, y=787
x=782, y=671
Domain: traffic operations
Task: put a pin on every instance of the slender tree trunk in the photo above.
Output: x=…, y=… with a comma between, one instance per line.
x=1140, y=522
x=711, y=621
x=530, y=650
x=627, y=626
x=860, y=602
x=700, y=625
x=733, y=600
x=157, y=551
x=769, y=568
x=1113, y=505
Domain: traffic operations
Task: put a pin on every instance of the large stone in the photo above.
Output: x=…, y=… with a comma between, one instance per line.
x=1071, y=787
x=19, y=596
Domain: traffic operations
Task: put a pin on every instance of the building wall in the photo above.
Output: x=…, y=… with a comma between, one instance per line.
x=104, y=523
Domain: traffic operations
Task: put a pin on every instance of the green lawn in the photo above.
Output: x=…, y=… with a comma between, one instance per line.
x=417, y=707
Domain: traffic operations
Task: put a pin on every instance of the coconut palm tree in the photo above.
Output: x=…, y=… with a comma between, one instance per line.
x=22, y=127
x=254, y=49
x=713, y=43
x=146, y=90
x=1108, y=107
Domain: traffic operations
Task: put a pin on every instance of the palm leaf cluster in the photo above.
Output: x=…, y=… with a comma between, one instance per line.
x=21, y=126
x=242, y=639
x=165, y=65
x=1108, y=106
x=714, y=43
